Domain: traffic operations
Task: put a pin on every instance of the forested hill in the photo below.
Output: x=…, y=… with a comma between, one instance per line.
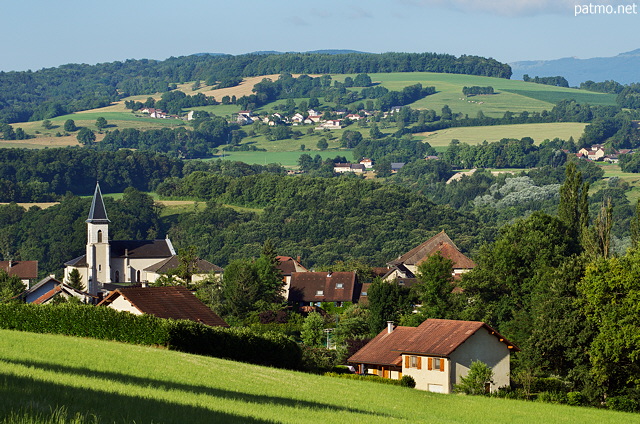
x=44, y=94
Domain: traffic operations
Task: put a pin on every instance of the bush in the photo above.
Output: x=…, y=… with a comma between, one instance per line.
x=407, y=381
x=552, y=397
x=318, y=359
x=239, y=344
x=623, y=403
x=576, y=399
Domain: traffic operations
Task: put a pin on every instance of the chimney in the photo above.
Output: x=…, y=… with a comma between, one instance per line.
x=298, y=258
x=389, y=327
x=329, y=274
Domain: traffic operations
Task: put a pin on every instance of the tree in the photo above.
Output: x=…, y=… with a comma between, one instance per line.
x=387, y=302
x=101, y=123
x=434, y=290
x=46, y=124
x=312, y=333
x=573, y=209
x=70, y=125
x=86, y=136
x=10, y=286
x=322, y=144
x=596, y=241
x=476, y=381
x=375, y=132
x=75, y=280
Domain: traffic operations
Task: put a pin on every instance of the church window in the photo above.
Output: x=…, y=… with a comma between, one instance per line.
x=99, y=236
x=117, y=277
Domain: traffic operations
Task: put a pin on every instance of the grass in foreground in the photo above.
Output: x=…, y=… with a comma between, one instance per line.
x=126, y=383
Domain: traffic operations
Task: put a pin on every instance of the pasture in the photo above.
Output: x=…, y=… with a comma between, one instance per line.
x=115, y=382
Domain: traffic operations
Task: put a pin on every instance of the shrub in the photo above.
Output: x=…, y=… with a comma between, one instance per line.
x=552, y=397
x=576, y=399
x=239, y=344
x=623, y=403
x=404, y=382
x=407, y=381
x=475, y=381
x=318, y=359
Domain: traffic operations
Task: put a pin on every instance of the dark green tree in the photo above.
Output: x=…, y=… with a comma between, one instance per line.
x=70, y=125
x=434, y=291
x=75, y=280
x=86, y=136
x=47, y=124
x=10, y=286
x=322, y=144
x=375, y=132
x=101, y=123
x=312, y=333
x=387, y=302
x=573, y=209
x=474, y=383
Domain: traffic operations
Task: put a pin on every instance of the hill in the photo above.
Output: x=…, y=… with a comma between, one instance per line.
x=115, y=382
x=622, y=68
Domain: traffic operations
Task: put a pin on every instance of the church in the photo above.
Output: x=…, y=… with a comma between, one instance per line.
x=115, y=261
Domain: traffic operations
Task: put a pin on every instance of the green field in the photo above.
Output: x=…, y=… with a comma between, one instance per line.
x=475, y=135
x=124, y=383
x=286, y=159
x=513, y=95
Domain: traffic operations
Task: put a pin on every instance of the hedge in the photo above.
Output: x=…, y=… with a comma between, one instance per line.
x=238, y=344
x=405, y=381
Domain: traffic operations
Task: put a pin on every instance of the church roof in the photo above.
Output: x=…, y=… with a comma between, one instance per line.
x=97, y=213
x=141, y=248
x=202, y=266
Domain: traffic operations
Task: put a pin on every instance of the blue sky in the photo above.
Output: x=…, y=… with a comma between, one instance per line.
x=44, y=33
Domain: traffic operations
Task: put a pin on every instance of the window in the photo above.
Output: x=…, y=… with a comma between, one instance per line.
x=99, y=236
x=117, y=278
x=339, y=285
x=436, y=363
x=413, y=362
x=363, y=294
x=320, y=293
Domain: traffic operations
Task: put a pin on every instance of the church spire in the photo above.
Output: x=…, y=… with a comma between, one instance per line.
x=97, y=213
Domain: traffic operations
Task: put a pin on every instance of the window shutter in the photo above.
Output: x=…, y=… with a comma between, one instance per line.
x=442, y=364
x=419, y=362
x=430, y=363
x=406, y=361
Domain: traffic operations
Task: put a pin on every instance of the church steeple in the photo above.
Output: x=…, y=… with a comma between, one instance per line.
x=97, y=213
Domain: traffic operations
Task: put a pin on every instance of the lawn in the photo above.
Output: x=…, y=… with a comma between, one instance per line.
x=115, y=382
x=476, y=135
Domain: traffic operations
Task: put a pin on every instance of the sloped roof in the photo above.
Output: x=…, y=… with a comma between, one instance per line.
x=97, y=213
x=434, y=337
x=287, y=265
x=174, y=302
x=62, y=287
x=202, y=266
x=80, y=261
x=438, y=243
x=23, y=269
x=141, y=248
x=41, y=283
x=323, y=287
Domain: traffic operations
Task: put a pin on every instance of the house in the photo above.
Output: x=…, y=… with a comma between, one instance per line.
x=341, y=168
x=594, y=153
x=48, y=289
x=175, y=302
x=114, y=261
x=396, y=166
x=353, y=117
x=287, y=266
x=332, y=124
x=368, y=163
x=27, y=271
x=313, y=288
x=313, y=112
x=314, y=118
x=437, y=353
x=201, y=269
x=406, y=265
x=298, y=118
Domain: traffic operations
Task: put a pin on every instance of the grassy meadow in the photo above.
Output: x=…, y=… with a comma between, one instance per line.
x=114, y=382
x=475, y=135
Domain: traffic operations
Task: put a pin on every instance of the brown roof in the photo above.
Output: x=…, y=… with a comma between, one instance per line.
x=435, y=337
x=202, y=266
x=23, y=269
x=141, y=248
x=323, y=287
x=174, y=302
x=287, y=265
x=438, y=243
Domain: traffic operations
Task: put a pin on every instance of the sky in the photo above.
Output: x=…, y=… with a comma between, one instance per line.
x=40, y=34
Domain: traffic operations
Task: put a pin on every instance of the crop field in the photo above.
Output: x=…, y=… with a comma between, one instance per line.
x=476, y=135
x=114, y=382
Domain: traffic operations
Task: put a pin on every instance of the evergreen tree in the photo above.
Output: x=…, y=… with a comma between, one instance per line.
x=10, y=286
x=434, y=290
x=75, y=280
x=573, y=209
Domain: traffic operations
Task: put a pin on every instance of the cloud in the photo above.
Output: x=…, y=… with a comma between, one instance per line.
x=321, y=13
x=507, y=7
x=359, y=13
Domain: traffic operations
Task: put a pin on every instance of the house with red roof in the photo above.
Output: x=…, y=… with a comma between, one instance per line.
x=406, y=266
x=175, y=302
x=27, y=271
x=437, y=353
x=287, y=266
x=314, y=288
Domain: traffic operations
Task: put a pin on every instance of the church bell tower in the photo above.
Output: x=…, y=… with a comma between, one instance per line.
x=98, y=248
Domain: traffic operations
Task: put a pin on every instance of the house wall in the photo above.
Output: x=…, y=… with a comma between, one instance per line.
x=127, y=267
x=432, y=380
x=122, y=304
x=484, y=347
x=393, y=373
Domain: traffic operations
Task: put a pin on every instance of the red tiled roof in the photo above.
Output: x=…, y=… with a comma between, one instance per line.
x=436, y=337
x=23, y=269
x=174, y=302
x=287, y=265
x=438, y=243
x=323, y=287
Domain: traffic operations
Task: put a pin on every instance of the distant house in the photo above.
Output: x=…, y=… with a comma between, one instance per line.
x=396, y=166
x=313, y=288
x=341, y=168
x=332, y=124
x=353, y=117
x=47, y=289
x=406, y=266
x=594, y=153
x=202, y=269
x=298, y=118
x=368, y=163
x=315, y=118
x=287, y=266
x=437, y=353
x=27, y=271
x=175, y=302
